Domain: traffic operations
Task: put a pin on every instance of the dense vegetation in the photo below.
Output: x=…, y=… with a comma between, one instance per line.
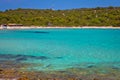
x=76, y=17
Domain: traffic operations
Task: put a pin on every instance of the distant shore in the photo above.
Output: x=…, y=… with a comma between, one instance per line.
x=38, y=27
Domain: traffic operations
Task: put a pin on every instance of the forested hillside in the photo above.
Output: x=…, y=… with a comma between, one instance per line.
x=76, y=17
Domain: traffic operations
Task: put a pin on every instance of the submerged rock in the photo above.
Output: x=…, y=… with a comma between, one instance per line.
x=21, y=59
x=41, y=57
x=90, y=66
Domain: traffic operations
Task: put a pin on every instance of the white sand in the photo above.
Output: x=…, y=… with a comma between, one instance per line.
x=31, y=27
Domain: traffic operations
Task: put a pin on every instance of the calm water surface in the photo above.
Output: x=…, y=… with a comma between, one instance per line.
x=59, y=49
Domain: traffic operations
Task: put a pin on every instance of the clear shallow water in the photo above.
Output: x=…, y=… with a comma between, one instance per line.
x=59, y=49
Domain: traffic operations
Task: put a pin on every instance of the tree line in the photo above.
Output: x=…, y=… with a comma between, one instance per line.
x=109, y=16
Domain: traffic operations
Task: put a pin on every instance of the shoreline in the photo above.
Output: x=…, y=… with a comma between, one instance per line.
x=56, y=27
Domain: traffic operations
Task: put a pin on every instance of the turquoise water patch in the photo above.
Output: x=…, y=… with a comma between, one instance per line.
x=60, y=49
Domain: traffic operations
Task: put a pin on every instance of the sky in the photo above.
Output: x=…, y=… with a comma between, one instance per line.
x=56, y=4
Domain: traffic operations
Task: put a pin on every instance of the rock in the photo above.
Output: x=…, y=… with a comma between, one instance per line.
x=1, y=70
x=24, y=78
x=21, y=59
x=95, y=79
x=90, y=66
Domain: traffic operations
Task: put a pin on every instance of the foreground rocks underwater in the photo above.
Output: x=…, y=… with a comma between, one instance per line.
x=12, y=68
x=70, y=74
x=18, y=75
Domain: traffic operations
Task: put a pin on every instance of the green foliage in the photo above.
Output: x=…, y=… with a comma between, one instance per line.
x=76, y=17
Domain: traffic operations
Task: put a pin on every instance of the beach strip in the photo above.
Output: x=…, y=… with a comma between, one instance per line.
x=83, y=27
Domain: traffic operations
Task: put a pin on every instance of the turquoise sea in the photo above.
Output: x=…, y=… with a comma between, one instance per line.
x=60, y=49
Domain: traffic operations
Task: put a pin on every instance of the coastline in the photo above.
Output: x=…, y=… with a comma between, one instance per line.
x=57, y=27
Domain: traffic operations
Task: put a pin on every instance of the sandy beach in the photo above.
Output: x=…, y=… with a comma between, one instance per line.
x=81, y=27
